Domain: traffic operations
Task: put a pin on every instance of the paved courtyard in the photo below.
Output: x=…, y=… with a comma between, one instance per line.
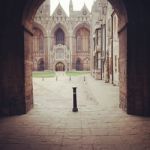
x=51, y=125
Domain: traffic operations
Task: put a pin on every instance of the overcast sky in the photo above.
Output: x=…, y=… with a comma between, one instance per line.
x=77, y=4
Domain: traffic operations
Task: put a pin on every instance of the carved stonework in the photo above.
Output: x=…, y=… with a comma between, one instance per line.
x=61, y=45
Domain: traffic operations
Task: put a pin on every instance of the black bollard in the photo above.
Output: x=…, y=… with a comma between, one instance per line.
x=84, y=78
x=70, y=78
x=75, y=109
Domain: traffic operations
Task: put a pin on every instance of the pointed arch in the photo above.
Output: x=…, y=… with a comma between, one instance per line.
x=62, y=32
x=80, y=25
x=59, y=36
x=39, y=26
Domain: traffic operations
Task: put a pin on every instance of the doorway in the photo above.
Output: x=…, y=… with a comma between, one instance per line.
x=60, y=67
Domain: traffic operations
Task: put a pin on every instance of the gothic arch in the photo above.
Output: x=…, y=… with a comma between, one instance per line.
x=59, y=36
x=31, y=8
x=129, y=49
x=82, y=39
x=80, y=25
x=38, y=40
x=131, y=23
x=60, y=66
x=119, y=7
x=39, y=26
x=62, y=62
x=57, y=26
x=63, y=28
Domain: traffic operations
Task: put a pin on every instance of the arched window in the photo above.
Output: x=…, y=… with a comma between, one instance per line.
x=82, y=39
x=38, y=42
x=59, y=37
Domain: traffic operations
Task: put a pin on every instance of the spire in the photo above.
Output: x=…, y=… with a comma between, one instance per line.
x=71, y=6
x=47, y=6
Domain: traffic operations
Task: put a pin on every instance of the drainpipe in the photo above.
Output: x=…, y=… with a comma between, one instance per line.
x=101, y=50
x=112, y=51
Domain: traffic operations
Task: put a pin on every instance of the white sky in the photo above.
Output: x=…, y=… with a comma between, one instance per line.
x=77, y=4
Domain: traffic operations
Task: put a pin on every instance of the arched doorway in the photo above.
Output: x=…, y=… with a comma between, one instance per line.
x=83, y=36
x=60, y=66
x=40, y=65
x=25, y=36
x=79, y=65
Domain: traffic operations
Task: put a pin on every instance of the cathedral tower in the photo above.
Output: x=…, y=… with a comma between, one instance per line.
x=46, y=6
x=70, y=7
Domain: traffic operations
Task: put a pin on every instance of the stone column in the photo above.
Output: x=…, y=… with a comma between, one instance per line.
x=12, y=77
x=70, y=50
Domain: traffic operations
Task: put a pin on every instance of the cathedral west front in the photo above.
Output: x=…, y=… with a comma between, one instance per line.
x=61, y=42
x=81, y=41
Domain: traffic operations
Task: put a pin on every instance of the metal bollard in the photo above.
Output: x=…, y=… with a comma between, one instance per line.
x=84, y=78
x=56, y=78
x=75, y=109
x=70, y=78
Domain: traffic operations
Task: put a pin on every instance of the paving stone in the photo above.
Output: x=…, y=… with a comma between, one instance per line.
x=51, y=125
x=104, y=147
x=16, y=147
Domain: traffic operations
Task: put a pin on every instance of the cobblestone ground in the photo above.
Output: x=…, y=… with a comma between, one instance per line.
x=51, y=125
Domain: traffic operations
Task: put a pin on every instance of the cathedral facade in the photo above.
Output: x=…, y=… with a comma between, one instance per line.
x=61, y=42
x=82, y=41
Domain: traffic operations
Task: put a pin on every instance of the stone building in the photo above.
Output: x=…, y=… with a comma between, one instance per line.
x=105, y=43
x=16, y=90
x=61, y=42
x=81, y=41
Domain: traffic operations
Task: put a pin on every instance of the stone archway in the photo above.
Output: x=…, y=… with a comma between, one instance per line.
x=59, y=67
x=30, y=8
x=122, y=14
x=16, y=56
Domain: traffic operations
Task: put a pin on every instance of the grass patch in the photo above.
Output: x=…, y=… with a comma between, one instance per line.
x=77, y=73
x=43, y=74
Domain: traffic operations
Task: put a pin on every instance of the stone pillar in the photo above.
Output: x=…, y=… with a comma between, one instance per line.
x=12, y=97
x=137, y=75
x=70, y=51
x=123, y=67
x=138, y=61
x=28, y=52
x=46, y=53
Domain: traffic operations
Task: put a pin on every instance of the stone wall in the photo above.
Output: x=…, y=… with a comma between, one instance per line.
x=28, y=65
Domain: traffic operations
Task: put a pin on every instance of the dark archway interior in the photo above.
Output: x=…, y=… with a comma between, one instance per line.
x=16, y=92
x=79, y=65
x=41, y=65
